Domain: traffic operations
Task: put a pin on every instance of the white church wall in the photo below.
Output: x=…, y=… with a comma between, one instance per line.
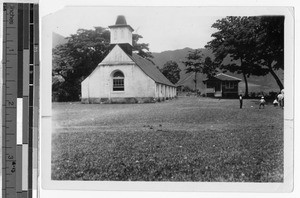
x=159, y=91
x=100, y=84
x=98, y=87
x=163, y=91
x=85, y=88
x=167, y=94
x=117, y=56
x=137, y=83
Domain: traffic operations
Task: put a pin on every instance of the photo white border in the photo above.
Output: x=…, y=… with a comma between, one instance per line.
x=46, y=111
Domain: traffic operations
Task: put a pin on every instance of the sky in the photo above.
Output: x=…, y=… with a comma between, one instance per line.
x=164, y=28
x=164, y=25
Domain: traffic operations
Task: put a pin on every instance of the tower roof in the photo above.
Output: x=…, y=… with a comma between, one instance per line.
x=121, y=22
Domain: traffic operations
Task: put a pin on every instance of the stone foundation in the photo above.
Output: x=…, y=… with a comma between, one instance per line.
x=129, y=100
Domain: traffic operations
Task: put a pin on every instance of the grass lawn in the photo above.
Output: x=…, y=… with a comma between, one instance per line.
x=186, y=139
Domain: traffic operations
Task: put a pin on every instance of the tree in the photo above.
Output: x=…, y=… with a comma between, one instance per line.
x=194, y=63
x=270, y=48
x=171, y=71
x=197, y=63
x=141, y=48
x=209, y=67
x=249, y=45
x=76, y=59
x=236, y=40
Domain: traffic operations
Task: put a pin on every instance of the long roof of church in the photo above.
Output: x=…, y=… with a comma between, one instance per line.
x=150, y=69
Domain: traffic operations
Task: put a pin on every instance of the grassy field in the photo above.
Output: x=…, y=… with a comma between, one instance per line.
x=186, y=139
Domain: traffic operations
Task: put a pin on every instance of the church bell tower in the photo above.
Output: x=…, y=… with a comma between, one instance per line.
x=121, y=34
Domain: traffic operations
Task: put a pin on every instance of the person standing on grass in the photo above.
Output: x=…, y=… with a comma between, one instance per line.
x=241, y=101
x=262, y=102
x=275, y=103
x=280, y=98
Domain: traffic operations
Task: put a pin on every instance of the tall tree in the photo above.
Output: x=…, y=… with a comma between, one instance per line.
x=76, y=59
x=171, y=71
x=141, y=48
x=270, y=45
x=236, y=40
x=209, y=67
x=196, y=63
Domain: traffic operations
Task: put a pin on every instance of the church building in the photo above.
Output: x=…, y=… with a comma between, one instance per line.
x=124, y=76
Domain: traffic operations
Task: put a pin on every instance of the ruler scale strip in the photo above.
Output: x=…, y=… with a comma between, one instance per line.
x=10, y=63
x=25, y=181
x=31, y=89
x=20, y=95
x=36, y=97
x=20, y=107
x=20, y=154
x=3, y=101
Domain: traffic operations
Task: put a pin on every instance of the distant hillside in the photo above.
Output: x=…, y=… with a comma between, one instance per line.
x=58, y=39
x=178, y=56
x=255, y=83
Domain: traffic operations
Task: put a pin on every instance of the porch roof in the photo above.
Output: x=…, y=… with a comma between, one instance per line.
x=223, y=77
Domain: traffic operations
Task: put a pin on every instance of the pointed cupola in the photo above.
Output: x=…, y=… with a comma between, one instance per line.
x=121, y=34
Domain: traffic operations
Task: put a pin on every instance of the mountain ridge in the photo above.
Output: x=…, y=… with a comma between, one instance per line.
x=256, y=83
x=58, y=39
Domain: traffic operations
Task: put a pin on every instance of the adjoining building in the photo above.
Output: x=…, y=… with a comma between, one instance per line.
x=222, y=85
x=124, y=76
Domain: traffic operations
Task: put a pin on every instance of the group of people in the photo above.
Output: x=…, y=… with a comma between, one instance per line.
x=279, y=100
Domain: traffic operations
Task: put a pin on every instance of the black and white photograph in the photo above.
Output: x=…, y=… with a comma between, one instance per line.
x=167, y=94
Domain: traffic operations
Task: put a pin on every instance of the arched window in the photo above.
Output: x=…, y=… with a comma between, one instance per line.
x=118, y=81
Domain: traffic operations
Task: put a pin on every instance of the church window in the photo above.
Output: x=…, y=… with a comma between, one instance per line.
x=118, y=81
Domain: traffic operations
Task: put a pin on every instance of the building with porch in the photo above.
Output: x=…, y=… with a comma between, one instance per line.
x=222, y=85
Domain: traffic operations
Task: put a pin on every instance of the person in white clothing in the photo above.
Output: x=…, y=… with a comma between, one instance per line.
x=275, y=103
x=262, y=102
x=241, y=101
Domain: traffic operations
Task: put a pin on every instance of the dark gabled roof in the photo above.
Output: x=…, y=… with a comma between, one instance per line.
x=150, y=69
x=223, y=77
